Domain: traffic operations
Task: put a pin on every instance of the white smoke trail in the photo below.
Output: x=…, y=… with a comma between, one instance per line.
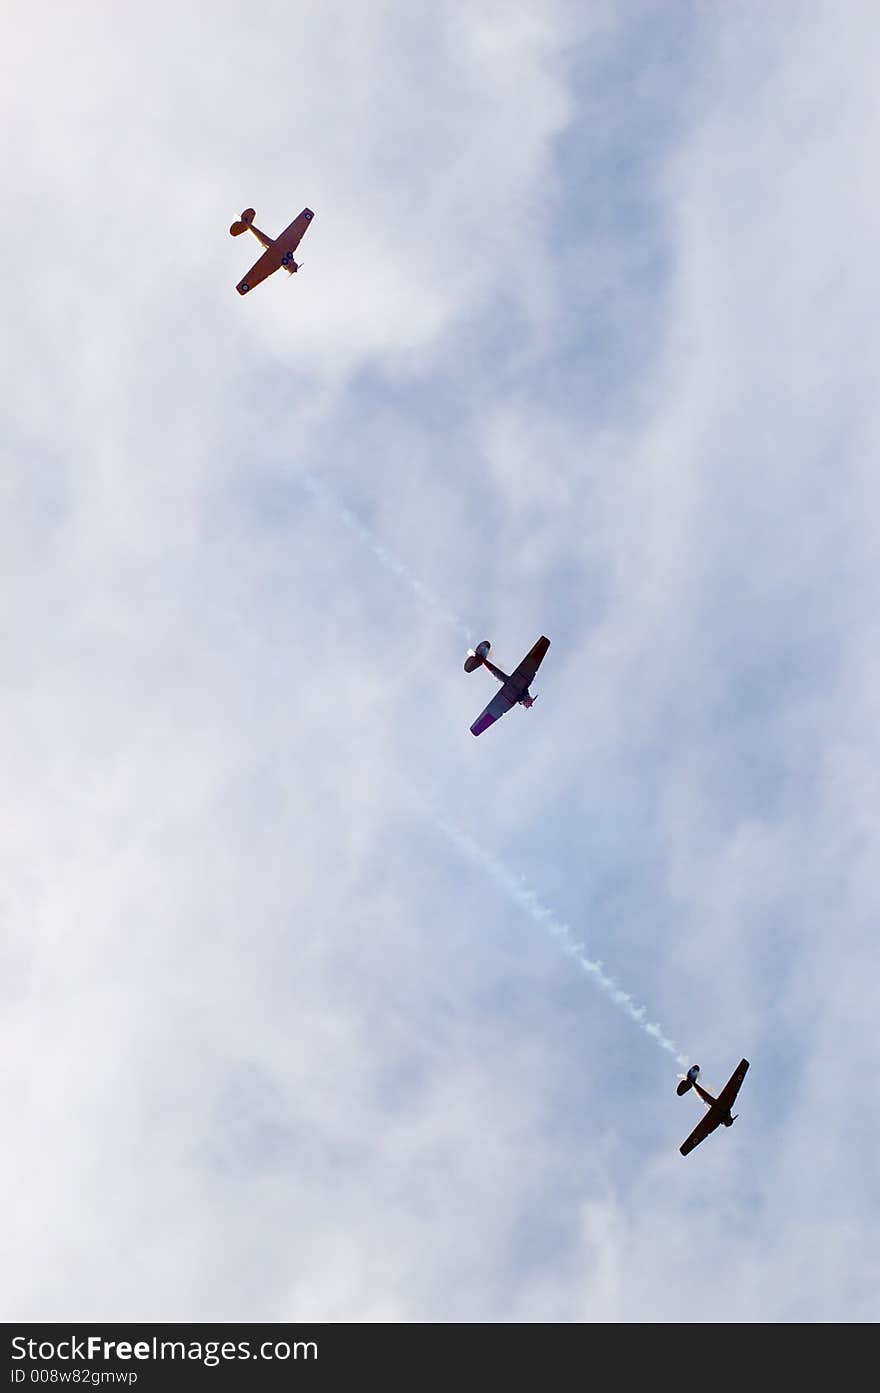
x=506, y=881
x=515, y=890
x=320, y=491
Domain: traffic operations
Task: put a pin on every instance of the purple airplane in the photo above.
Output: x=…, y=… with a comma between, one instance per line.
x=514, y=689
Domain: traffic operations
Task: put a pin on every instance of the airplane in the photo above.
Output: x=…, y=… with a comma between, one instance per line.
x=514, y=689
x=278, y=253
x=719, y=1108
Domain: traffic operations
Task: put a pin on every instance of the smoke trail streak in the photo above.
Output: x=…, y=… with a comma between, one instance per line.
x=511, y=885
x=385, y=558
x=516, y=891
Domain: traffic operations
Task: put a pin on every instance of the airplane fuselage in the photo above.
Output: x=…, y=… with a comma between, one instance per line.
x=261, y=237
x=524, y=698
x=289, y=264
x=705, y=1095
x=711, y=1102
x=496, y=672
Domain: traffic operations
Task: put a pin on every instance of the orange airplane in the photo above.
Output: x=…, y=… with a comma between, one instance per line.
x=278, y=253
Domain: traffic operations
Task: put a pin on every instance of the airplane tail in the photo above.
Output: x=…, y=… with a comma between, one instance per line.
x=475, y=659
x=689, y=1080
x=243, y=223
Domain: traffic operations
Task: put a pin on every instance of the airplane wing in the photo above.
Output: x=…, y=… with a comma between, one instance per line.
x=706, y=1125
x=293, y=235
x=498, y=707
x=531, y=662
x=727, y=1096
x=268, y=262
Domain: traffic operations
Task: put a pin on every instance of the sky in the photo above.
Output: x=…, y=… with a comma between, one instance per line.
x=312, y=1007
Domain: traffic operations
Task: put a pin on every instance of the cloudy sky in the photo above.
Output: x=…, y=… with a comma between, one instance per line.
x=586, y=344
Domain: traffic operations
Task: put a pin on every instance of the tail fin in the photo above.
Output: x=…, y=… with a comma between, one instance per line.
x=475, y=658
x=243, y=223
x=690, y=1081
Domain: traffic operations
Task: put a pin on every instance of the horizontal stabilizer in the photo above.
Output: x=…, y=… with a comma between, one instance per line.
x=476, y=658
x=243, y=223
x=689, y=1081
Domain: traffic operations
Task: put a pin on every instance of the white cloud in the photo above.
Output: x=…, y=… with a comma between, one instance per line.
x=586, y=341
